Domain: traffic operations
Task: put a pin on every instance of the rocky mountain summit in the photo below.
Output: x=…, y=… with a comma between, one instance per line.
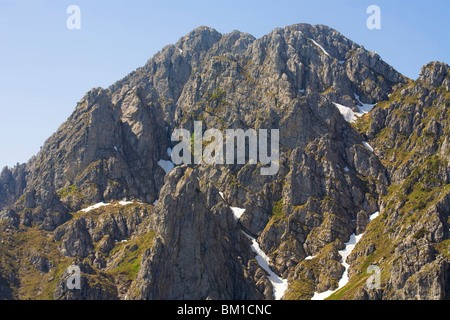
x=364, y=164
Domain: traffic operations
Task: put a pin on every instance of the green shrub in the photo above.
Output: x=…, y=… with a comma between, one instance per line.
x=420, y=234
x=70, y=190
x=277, y=210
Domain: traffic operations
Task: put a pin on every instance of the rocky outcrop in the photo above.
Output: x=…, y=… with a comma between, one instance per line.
x=187, y=245
x=94, y=285
x=195, y=230
x=410, y=242
x=12, y=183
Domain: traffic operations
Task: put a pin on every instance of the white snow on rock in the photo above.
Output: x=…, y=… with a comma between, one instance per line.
x=167, y=165
x=364, y=107
x=279, y=285
x=321, y=48
x=102, y=204
x=237, y=212
x=346, y=169
x=124, y=203
x=221, y=194
x=367, y=146
x=95, y=206
x=344, y=253
x=349, y=246
x=374, y=215
x=341, y=62
x=322, y=295
x=309, y=257
x=348, y=114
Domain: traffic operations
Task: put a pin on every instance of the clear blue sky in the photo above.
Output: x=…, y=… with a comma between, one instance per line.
x=45, y=69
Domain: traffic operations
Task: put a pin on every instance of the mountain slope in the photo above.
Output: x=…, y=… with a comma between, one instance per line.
x=410, y=133
x=187, y=245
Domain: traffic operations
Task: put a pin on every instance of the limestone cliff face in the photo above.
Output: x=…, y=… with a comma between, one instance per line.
x=200, y=251
x=410, y=244
x=187, y=244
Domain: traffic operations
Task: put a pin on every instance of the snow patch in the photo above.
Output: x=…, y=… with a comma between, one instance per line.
x=364, y=107
x=346, y=169
x=115, y=148
x=124, y=203
x=367, y=146
x=309, y=257
x=341, y=62
x=95, y=206
x=374, y=215
x=344, y=253
x=237, y=212
x=279, y=285
x=221, y=194
x=348, y=114
x=321, y=48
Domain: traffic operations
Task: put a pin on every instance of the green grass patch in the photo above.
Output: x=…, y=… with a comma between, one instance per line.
x=443, y=247
x=131, y=259
x=70, y=190
x=301, y=289
x=349, y=290
x=277, y=210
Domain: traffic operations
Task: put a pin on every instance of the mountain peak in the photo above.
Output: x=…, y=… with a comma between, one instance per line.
x=434, y=73
x=202, y=31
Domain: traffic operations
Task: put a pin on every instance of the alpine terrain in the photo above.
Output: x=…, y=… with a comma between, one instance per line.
x=358, y=209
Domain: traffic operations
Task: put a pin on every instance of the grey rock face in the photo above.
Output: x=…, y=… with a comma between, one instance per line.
x=411, y=239
x=12, y=184
x=189, y=246
x=94, y=285
x=109, y=147
x=434, y=74
x=196, y=230
x=40, y=262
x=76, y=240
